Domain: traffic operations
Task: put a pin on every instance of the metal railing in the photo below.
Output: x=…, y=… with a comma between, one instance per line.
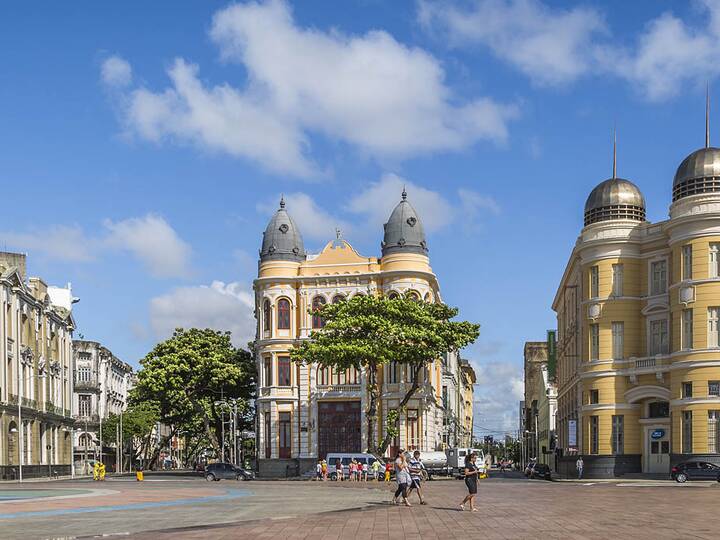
x=338, y=387
x=645, y=363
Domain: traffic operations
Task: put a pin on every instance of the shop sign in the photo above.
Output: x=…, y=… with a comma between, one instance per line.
x=658, y=434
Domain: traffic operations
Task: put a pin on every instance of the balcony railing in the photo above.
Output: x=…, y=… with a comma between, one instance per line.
x=89, y=418
x=645, y=363
x=338, y=388
x=25, y=402
x=87, y=385
x=52, y=408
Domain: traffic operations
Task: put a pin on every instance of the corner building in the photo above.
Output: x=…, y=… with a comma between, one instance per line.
x=639, y=340
x=303, y=411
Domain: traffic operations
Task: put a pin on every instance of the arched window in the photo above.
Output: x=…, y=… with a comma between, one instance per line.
x=393, y=295
x=413, y=295
x=267, y=316
x=338, y=298
x=283, y=318
x=317, y=303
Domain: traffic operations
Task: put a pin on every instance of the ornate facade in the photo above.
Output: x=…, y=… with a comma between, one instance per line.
x=302, y=411
x=639, y=344
x=36, y=328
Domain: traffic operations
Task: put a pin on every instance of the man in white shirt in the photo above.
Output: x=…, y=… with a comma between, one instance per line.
x=416, y=468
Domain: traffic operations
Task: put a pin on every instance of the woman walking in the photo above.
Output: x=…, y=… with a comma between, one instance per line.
x=338, y=470
x=471, y=480
x=402, y=475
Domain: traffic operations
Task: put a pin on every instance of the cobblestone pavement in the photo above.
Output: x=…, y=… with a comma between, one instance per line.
x=509, y=508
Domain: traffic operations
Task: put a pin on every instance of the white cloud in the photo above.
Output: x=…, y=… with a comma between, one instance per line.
x=220, y=306
x=551, y=46
x=370, y=91
x=58, y=242
x=154, y=242
x=116, y=72
x=670, y=54
x=150, y=239
x=498, y=392
x=474, y=204
x=313, y=221
x=377, y=201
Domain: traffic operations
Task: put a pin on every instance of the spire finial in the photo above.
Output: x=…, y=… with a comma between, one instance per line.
x=404, y=194
x=707, y=115
x=282, y=201
x=614, y=153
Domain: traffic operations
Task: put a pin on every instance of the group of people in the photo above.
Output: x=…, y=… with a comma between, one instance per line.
x=357, y=471
x=408, y=474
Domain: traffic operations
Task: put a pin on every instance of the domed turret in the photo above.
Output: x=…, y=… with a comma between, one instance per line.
x=614, y=198
x=698, y=173
x=282, y=239
x=404, y=231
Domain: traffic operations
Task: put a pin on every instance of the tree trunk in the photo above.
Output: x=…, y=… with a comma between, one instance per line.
x=408, y=395
x=212, y=436
x=371, y=413
x=161, y=444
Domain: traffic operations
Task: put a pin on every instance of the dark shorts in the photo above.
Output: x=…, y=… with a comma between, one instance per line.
x=471, y=485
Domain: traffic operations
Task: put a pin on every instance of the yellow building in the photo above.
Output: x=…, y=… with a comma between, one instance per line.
x=638, y=333
x=467, y=393
x=304, y=412
x=36, y=328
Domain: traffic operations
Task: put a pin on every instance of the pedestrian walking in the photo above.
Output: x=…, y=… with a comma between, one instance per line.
x=364, y=471
x=351, y=471
x=388, y=470
x=579, y=465
x=318, y=471
x=402, y=476
x=376, y=470
x=324, y=469
x=416, y=468
x=471, y=480
x=338, y=470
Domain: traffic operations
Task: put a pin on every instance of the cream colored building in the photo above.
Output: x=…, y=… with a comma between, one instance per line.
x=467, y=413
x=304, y=412
x=638, y=311
x=36, y=328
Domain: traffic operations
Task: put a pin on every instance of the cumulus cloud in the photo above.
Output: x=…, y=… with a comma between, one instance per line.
x=314, y=222
x=154, y=242
x=551, y=46
x=150, y=239
x=370, y=91
x=220, y=306
x=498, y=393
x=116, y=71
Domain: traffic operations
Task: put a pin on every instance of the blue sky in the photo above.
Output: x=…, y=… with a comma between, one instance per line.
x=145, y=144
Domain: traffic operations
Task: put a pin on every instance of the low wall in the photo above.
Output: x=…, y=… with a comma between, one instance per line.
x=601, y=466
x=285, y=468
x=11, y=472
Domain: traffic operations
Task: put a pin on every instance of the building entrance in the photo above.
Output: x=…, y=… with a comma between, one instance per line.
x=657, y=449
x=338, y=427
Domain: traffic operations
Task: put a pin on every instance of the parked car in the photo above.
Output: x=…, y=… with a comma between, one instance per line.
x=538, y=470
x=345, y=459
x=226, y=471
x=695, y=470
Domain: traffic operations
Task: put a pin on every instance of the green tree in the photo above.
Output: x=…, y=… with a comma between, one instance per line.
x=138, y=421
x=187, y=374
x=367, y=332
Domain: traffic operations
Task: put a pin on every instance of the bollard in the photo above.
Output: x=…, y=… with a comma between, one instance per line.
x=139, y=476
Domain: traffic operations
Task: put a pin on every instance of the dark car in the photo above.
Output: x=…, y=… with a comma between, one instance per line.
x=540, y=470
x=695, y=470
x=226, y=471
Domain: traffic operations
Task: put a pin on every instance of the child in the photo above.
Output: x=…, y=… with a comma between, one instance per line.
x=388, y=470
x=324, y=469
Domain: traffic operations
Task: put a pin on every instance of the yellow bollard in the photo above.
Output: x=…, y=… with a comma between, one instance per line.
x=139, y=476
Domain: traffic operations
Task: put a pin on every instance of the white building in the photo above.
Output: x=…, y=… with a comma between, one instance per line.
x=102, y=384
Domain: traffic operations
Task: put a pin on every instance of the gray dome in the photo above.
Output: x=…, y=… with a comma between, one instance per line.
x=404, y=231
x=614, y=198
x=282, y=239
x=698, y=173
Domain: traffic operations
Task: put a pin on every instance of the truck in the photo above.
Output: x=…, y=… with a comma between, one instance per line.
x=456, y=460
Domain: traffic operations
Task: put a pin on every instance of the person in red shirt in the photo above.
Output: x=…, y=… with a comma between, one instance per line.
x=388, y=470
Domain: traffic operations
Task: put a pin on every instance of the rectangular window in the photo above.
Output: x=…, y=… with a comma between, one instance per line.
x=687, y=329
x=617, y=270
x=618, y=434
x=267, y=369
x=687, y=390
x=658, y=409
x=84, y=405
x=445, y=397
x=658, y=277
x=594, y=434
x=713, y=337
x=713, y=432
x=713, y=388
x=687, y=432
x=594, y=282
x=687, y=261
x=285, y=435
x=393, y=373
x=714, y=262
x=412, y=430
x=618, y=339
x=268, y=436
x=658, y=337
x=283, y=371
x=594, y=397
x=594, y=341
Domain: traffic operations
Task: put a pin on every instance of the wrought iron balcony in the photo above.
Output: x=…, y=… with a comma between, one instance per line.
x=85, y=386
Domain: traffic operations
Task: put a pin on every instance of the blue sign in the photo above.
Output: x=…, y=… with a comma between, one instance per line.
x=658, y=434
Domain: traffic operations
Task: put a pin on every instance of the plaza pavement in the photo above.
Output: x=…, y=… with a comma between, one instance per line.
x=510, y=508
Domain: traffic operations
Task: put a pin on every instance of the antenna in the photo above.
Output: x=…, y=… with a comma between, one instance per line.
x=707, y=115
x=614, y=153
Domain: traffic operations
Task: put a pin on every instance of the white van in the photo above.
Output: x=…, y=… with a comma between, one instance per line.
x=346, y=458
x=456, y=459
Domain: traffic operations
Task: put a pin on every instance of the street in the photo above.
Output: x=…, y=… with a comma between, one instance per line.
x=187, y=508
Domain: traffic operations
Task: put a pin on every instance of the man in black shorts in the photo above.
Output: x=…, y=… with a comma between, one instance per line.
x=416, y=468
